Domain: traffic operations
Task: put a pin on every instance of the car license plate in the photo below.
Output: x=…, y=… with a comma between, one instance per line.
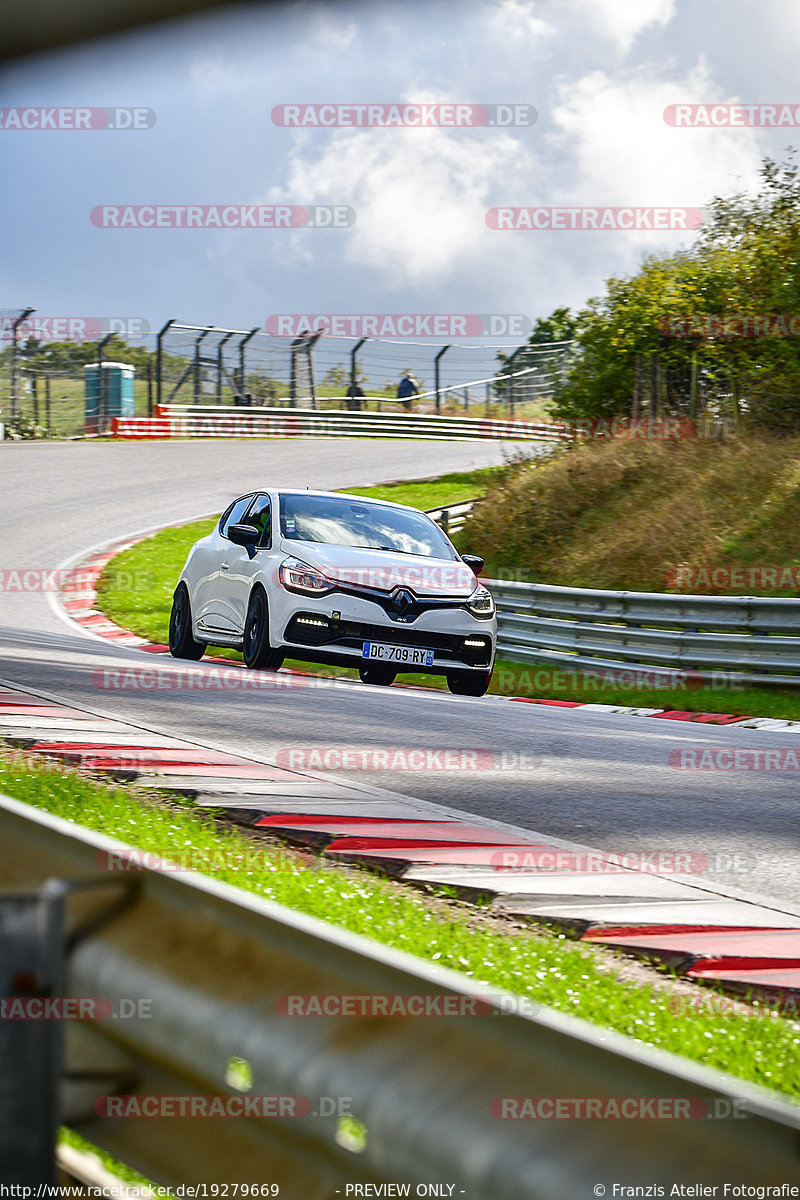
x=398, y=654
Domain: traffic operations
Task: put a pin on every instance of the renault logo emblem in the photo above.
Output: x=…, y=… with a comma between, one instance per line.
x=402, y=600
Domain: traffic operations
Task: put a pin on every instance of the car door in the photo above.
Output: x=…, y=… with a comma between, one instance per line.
x=238, y=568
x=207, y=605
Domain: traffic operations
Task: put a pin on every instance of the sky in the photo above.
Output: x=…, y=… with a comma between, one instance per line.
x=411, y=201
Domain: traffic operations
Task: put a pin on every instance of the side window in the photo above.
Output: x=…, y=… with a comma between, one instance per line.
x=234, y=514
x=260, y=516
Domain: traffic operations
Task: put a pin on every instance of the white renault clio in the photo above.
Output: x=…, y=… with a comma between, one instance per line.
x=331, y=578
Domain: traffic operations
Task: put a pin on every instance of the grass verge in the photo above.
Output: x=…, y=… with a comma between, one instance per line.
x=547, y=968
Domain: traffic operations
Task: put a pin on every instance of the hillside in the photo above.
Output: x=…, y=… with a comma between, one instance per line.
x=648, y=516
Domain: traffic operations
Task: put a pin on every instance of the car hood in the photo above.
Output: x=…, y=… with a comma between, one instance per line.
x=385, y=571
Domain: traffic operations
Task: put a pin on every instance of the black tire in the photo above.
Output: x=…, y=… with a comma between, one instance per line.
x=469, y=683
x=378, y=674
x=181, y=641
x=257, y=652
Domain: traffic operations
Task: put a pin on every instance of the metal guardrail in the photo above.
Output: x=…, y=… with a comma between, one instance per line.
x=452, y=517
x=746, y=639
x=213, y=963
x=212, y=421
x=751, y=640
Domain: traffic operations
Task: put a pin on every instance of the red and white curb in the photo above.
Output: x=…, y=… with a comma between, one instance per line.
x=739, y=946
x=78, y=602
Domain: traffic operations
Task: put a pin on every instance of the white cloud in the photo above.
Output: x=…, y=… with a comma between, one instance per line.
x=621, y=21
x=622, y=152
x=420, y=195
x=519, y=20
x=331, y=29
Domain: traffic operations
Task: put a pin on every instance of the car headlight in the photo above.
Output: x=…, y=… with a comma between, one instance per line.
x=297, y=576
x=481, y=603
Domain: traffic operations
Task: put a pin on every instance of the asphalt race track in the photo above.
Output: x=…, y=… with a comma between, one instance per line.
x=598, y=779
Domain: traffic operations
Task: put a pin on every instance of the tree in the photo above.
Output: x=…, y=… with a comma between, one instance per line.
x=745, y=264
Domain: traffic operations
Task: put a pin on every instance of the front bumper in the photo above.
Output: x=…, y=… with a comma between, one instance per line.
x=333, y=630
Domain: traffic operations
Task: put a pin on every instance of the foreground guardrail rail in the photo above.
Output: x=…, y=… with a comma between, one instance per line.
x=751, y=640
x=208, y=969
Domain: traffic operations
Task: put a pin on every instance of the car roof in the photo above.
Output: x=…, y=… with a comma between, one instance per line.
x=340, y=496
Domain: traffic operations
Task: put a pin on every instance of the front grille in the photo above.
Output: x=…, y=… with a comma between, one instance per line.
x=352, y=634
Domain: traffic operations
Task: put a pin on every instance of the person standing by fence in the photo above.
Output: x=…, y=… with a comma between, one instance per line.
x=406, y=389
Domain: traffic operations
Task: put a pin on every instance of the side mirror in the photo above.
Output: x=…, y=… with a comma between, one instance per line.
x=244, y=535
x=474, y=562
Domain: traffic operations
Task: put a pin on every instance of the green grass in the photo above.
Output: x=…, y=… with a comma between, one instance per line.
x=116, y=1168
x=136, y=588
x=546, y=968
x=433, y=493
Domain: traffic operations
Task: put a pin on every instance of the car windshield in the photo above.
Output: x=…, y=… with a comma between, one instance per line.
x=345, y=521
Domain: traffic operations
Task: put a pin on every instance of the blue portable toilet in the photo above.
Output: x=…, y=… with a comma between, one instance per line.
x=108, y=390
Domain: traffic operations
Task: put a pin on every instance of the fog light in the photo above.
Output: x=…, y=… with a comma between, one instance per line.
x=318, y=621
x=475, y=643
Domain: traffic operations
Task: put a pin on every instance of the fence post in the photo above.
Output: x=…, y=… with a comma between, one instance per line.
x=220, y=364
x=197, y=341
x=15, y=356
x=102, y=397
x=637, y=389
x=654, y=379
x=242, y=344
x=354, y=401
x=693, y=386
x=159, y=357
x=436, y=361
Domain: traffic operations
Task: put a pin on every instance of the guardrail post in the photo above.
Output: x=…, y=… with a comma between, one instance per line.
x=32, y=949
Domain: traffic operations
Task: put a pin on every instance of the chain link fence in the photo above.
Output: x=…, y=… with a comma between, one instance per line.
x=51, y=403
x=202, y=365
